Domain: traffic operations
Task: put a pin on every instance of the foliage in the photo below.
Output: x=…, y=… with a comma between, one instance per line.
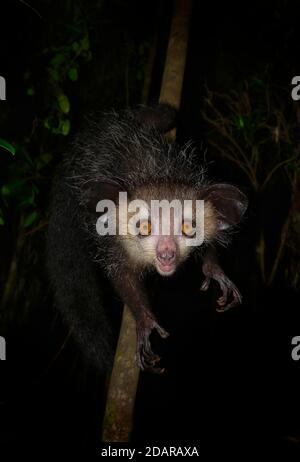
x=61, y=79
x=5, y=145
x=257, y=129
x=27, y=172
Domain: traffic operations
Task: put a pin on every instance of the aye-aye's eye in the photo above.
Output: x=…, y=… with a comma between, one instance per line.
x=188, y=229
x=144, y=227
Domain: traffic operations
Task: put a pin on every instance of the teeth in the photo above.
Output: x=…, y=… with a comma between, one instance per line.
x=166, y=268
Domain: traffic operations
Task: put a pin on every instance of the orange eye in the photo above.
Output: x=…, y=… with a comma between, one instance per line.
x=187, y=228
x=145, y=228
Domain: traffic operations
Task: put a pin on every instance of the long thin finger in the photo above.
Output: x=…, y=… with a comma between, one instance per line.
x=205, y=284
x=162, y=332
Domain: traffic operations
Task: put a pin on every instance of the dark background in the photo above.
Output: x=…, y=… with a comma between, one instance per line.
x=230, y=377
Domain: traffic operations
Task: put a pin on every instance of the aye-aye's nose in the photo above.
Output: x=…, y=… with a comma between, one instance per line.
x=166, y=250
x=167, y=256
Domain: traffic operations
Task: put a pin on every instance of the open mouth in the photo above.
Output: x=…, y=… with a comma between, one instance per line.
x=165, y=269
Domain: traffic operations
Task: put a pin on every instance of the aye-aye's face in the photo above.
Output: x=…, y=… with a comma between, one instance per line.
x=159, y=225
x=163, y=236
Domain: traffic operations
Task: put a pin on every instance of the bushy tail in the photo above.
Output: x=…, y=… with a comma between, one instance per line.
x=75, y=280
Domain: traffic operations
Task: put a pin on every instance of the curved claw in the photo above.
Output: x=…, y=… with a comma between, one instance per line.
x=146, y=358
x=228, y=288
x=147, y=361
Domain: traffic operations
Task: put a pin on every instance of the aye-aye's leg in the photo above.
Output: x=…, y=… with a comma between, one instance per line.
x=133, y=293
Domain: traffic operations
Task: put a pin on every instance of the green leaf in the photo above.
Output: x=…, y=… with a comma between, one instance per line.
x=64, y=103
x=5, y=191
x=12, y=188
x=43, y=160
x=73, y=74
x=241, y=122
x=75, y=46
x=65, y=126
x=46, y=158
x=9, y=147
x=88, y=55
x=57, y=60
x=30, y=219
x=1, y=218
x=47, y=123
x=30, y=91
x=85, y=43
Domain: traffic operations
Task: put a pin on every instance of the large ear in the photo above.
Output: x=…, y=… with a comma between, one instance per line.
x=229, y=202
x=161, y=116
x=96, y=191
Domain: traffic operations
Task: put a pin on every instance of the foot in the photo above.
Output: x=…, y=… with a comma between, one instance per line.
x=228, y=288
x=146, y=358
